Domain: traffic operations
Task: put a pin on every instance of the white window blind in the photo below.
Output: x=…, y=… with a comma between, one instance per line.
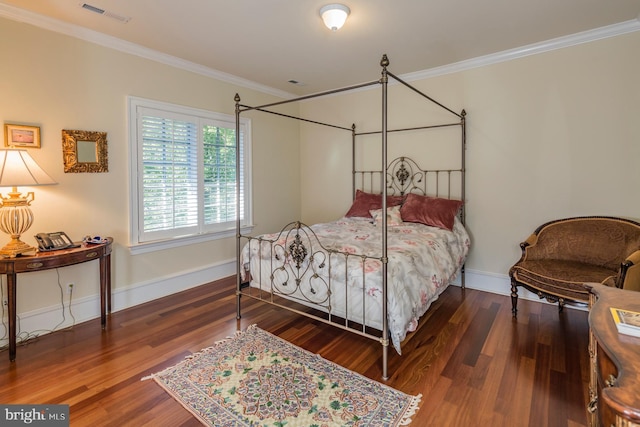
x=184, y=172
x=169, y=174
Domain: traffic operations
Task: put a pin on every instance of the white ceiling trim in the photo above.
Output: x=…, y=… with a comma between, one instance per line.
x=47, y=23
x=41, y=21
x=532, y=49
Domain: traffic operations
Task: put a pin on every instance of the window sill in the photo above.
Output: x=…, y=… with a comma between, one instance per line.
x=160, y=245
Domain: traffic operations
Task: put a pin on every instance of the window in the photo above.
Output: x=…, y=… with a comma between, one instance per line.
x=183, y=174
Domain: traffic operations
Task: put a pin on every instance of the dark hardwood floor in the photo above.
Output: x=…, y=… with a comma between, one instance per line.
x=472, y=362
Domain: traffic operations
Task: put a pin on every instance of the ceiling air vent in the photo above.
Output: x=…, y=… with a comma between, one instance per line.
x=99, y=11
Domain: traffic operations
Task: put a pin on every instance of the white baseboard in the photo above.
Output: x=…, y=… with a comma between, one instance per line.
x=501, y=284
x=41, y=321
x=487, y=282
x=151, y=290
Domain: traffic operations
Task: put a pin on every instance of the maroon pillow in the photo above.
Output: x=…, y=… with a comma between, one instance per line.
x=366, y=202
x=432, y=211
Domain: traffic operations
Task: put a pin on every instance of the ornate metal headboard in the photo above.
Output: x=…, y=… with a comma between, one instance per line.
x=405, y=176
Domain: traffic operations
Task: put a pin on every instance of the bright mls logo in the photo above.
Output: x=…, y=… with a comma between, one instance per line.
x=34, y=415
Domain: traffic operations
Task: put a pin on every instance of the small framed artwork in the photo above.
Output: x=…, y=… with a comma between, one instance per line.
x=84, y=151
x=21, y=136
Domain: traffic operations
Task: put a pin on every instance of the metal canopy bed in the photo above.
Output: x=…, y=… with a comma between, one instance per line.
x=315, y=272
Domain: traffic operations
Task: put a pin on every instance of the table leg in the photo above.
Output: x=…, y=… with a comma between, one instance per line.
x=105, y=289
x=108, y=278
x=11, y=301
x=103, y=294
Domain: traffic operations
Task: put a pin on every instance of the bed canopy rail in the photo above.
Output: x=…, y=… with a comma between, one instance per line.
x=400, y=176
x=384, y=62
x=399, y=80
x=240, y=108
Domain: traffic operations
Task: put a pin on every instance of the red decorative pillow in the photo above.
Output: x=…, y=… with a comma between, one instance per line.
x=432, y=211
x=366, y=202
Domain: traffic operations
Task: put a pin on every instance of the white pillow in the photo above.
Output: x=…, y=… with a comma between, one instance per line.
x=393, y=216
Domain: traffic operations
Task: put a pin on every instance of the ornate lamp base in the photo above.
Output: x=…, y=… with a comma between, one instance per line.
x=16, y=247
x=15, y=219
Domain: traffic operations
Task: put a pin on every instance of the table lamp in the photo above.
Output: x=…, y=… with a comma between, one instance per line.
x=17, y=168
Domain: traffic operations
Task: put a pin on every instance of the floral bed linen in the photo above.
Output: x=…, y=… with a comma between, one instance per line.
x=423, y=261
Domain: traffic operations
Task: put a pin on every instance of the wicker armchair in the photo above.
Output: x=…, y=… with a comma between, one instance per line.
x=561, y=255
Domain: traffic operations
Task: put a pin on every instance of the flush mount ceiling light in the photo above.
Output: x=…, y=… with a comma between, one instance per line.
x=334, y=15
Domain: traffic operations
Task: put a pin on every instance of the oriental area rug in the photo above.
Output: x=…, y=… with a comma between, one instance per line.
x=258, y=379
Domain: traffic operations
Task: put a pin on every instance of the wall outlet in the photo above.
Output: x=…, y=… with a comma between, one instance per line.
x=5, y=302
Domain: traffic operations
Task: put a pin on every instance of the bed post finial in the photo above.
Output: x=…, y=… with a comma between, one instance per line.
x=384, y=62
x=463, y=113
x=236, y=98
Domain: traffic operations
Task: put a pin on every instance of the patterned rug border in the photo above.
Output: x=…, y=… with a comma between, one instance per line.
x=404, y=418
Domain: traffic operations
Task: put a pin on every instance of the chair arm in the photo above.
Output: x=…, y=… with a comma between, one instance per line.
x=634, y=258
x=531, y=241
x=630, y=272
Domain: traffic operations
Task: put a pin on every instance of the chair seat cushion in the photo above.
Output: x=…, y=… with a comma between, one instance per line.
x=562, y=278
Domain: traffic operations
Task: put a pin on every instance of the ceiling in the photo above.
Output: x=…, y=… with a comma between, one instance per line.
x=268, y=42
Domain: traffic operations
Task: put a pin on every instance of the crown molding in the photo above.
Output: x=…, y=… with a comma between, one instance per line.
x=41, y=21
x=532, y=49
x=55, y=25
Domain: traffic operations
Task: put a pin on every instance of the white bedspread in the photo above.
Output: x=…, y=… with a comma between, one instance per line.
x=423, y=261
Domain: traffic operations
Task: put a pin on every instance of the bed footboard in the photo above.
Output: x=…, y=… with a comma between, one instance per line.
x=293, y=270
x=293, y=264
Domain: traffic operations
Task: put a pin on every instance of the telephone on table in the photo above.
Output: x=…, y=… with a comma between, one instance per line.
x=54, y=241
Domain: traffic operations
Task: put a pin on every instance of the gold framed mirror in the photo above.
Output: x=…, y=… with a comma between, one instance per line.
x=84, y=151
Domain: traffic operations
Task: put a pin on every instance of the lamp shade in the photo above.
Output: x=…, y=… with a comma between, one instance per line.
x=334, y=15
x=17, y=168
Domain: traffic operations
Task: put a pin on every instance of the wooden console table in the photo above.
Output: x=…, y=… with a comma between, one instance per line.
x=54, y=259
x=614, y=386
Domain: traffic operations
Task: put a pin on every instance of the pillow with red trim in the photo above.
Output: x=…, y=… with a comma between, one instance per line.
x=433, y=211
x=365, y=202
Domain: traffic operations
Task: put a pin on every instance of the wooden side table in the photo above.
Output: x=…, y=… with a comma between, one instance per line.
x=614, y=385
x=54, y=259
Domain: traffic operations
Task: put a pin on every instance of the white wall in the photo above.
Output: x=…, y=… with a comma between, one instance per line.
x=59, y=82
x=551, y=135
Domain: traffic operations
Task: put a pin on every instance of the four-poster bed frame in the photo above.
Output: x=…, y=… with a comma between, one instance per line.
x=298, y=247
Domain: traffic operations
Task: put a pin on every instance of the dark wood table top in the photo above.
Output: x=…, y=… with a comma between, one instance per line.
x=623, y=350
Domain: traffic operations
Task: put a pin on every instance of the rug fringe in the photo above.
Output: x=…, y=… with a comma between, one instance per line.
x=411, y=410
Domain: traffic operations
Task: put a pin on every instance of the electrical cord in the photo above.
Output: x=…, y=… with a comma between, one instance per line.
x=22, y=337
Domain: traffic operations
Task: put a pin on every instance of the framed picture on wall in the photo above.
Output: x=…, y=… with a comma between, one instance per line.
x=84, y=151
x=22, y=136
